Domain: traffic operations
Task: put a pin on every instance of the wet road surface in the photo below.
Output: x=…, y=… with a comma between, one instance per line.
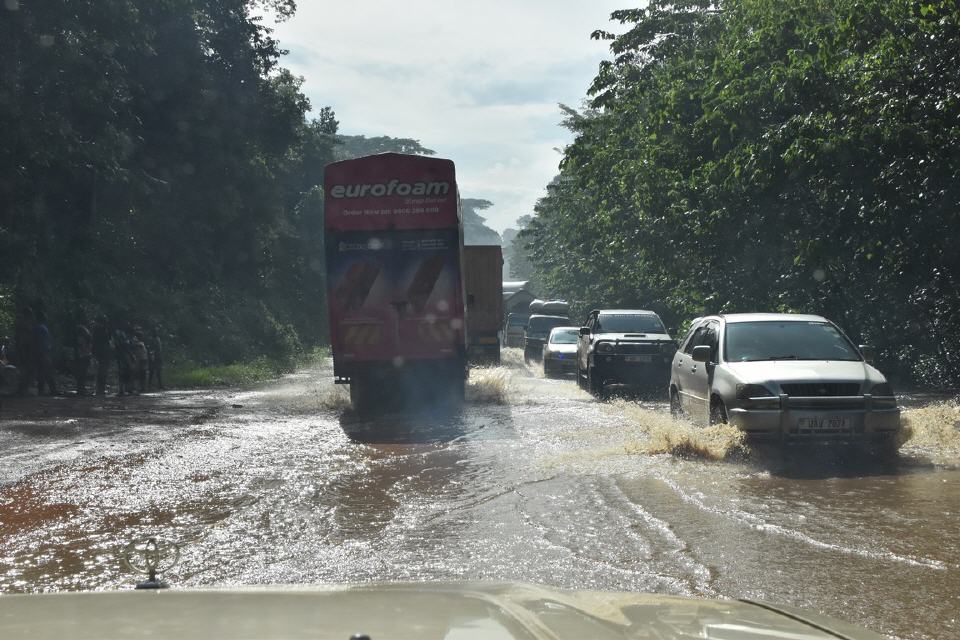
x=534, y=480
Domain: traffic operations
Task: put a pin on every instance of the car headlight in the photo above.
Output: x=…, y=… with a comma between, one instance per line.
x=747, y=391
x=882, y=389
x=604, y=347
x=883, y=395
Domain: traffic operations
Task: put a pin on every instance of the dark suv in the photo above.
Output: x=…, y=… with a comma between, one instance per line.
x=629, y=347
x=536, y=332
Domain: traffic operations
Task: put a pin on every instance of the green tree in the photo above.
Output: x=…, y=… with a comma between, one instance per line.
x=758, y=155
x=154, y=161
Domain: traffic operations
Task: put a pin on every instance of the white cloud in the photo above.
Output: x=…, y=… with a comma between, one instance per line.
x=477, y=82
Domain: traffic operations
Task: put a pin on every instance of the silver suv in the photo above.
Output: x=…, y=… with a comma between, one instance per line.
x=782, y=377
x=624, y=346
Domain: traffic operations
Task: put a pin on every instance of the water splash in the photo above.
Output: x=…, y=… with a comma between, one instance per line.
x=512, y=358
x=489, y=385
x=335, y=399
x=677, y=437
x=934, y=427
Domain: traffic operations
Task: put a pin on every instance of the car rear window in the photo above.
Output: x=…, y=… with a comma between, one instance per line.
x=565, y=336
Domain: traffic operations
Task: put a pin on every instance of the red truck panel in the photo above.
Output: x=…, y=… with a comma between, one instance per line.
x=391, y=189
x=393, y=261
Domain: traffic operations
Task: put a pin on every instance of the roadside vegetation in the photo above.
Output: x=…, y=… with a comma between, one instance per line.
x=759, y=155
x=187, y=374
x=190, y=375
x=159, y=165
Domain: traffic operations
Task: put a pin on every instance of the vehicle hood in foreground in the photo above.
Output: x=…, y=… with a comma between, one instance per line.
x=406, y=610
x=762, y=371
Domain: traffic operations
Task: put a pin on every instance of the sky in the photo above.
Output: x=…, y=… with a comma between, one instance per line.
x=477, y=82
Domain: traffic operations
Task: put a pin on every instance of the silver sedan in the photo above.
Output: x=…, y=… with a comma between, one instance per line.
x=782, y=377
x=560, y=351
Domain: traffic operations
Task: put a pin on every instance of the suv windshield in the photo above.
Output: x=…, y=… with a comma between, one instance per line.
x=565, y=336
x=543, y=324
x=628, y=323
x=516, y=321
x=791, y=340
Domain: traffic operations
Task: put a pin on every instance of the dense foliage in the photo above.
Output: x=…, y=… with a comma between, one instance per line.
x=750, y=155
x=157, y=166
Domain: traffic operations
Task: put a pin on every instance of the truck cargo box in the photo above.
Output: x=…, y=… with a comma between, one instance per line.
x=482, y=276
x=393, y=252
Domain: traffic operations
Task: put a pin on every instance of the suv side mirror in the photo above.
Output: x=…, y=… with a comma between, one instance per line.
x=584, y=331
x=867, y=352
x=701, y=353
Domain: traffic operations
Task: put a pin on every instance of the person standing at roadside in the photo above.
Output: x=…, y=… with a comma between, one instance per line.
x=121, y=349
x=84, y=353
x=44, y=352
x=26, y=343
x=139, y=351
x=102, y=352
x=155, y=358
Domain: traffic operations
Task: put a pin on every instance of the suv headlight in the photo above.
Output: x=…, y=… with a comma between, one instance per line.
x=604, y=347
x=747, y=391
x=883, y=395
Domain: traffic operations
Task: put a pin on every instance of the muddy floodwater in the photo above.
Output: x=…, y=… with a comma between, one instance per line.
x=534, y=480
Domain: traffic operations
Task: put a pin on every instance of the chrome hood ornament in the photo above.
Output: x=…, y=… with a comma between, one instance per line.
x=152, y=557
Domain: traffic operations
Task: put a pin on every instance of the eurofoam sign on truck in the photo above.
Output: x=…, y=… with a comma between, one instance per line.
x=393, y=243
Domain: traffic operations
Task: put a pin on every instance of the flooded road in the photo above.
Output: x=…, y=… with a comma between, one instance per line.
x=533, y=481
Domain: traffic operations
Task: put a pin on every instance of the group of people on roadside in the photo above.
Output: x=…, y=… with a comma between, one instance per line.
x=138, y=356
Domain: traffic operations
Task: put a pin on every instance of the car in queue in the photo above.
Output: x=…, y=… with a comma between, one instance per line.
x=782, y=377
x=625, y=347
x=513, y=329
x=536, y=332
x=560, y=351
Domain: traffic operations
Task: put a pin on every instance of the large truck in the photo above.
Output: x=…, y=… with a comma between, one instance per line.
x=394, y=242
x=483, y=281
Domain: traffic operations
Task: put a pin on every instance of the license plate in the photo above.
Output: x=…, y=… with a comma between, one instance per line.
x=824, y=423
x=638, y=358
